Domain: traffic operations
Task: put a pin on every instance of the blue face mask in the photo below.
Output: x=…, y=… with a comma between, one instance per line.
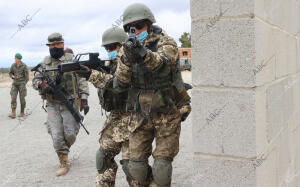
x=112, y=55
x=142, y=36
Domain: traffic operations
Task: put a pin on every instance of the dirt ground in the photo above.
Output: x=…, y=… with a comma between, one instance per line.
x=27, y=157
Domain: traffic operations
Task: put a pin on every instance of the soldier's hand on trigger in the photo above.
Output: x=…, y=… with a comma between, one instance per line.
x=128, y=51
x=127, y=59
x=84, y=72
x=84, y=106
x=45, y=88
x=140, y=50
x=185, y=111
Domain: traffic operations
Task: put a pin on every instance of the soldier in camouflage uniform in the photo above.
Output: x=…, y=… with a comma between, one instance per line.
x=19, y=73
x=61, y=125
x=156, y=96
x=114, y=135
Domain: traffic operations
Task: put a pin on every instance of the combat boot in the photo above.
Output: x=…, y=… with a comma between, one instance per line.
x=64, y=165
x=21, y=113
x=13, y=113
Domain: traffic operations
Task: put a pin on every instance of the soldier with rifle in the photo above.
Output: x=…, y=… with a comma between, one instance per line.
x=157, y=98
x=114, y=135
x=66, y=94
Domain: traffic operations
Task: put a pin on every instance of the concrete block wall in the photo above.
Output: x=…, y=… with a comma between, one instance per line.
x=246, y=95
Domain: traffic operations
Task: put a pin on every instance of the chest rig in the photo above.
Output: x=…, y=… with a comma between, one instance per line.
x=68, y=80
x=151, y=91
x=110, y=100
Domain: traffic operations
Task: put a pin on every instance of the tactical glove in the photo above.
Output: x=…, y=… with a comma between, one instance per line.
x=126, y=60
x=84, y=106
x=134, y=52
x=45, y=88
x=184, y=111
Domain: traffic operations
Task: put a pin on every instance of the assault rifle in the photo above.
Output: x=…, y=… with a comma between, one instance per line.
x=93, y=63
x=59, y=91
x=131, y=42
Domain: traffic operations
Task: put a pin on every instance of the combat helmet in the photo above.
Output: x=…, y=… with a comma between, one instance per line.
x=113, y=35
x=135, y=12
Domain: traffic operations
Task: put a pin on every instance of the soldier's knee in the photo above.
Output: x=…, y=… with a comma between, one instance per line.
x=70, y=134
x=138, y=170
x=23, y=103
x=57, y=144
x=70, y=138
x=13, y=99
x=162, y=172
x=104, y=160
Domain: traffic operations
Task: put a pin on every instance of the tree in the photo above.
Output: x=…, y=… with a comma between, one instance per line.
x=185, y=40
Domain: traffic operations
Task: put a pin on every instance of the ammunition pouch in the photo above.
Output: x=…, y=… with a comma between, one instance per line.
x=145, y=101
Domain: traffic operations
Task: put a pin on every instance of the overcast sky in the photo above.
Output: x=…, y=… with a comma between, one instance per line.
x=81, y=22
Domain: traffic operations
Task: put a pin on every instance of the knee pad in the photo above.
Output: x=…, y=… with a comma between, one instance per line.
x=138, y=170
x=162, y=172
x=103, y=160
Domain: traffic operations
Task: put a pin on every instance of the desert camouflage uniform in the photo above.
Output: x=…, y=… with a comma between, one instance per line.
x=19, y=84
x=163, y=122
x=61, y=124
x=114, y=135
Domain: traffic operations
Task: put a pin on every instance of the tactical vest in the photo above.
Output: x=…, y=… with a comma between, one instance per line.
x=68, y=80
x=151, y=91
x=109, y=100
x=161, y=90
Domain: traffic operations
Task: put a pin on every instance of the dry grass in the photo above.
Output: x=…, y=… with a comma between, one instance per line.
x=5, y=78
x=6, y=81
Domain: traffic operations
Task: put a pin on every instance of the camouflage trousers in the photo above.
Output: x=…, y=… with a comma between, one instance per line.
x=165, y=128
x=62, y=127
x=15, y=89
x=113, y=140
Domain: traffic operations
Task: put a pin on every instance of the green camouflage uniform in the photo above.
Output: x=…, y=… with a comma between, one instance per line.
x=153, y=100
x=19, y=84
x=61, y=124
x=114, y=135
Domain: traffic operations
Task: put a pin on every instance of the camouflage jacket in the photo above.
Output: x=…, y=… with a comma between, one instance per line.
x=101, y=79
x=20, y=73
x=109, y=99
x=155, y=72
x=69, y=79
